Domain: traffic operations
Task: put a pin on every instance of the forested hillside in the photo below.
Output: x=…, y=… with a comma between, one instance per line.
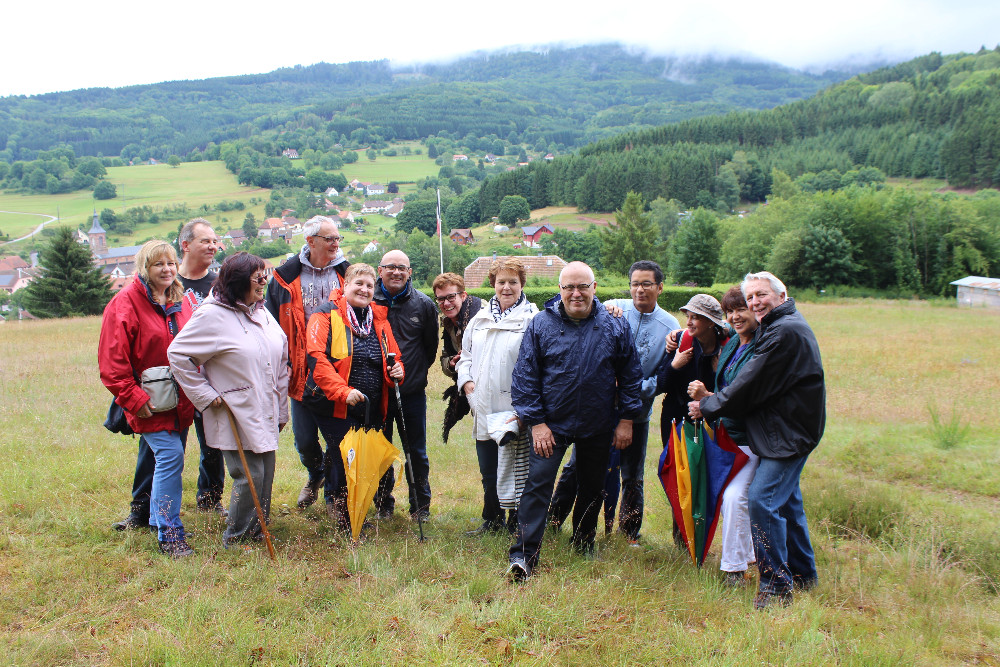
x=563, y=96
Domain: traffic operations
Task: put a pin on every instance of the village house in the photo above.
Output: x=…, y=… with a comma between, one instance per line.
x=373, y=189
x=331, y=192
x=459, y=158
x=545, y=266
x=271, y=227
x=462, y=236
x=533, y=235
x=978, y=291
x=290, y=153
x=236, y=237
x=395, y=208
x=375, y=206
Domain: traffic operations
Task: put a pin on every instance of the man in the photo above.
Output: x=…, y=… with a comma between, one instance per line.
x=577, y=381
x=649, y=325
x=457, y=308
x=781, y=394
x=413, y=319
x=299, y=287
x=198, y=243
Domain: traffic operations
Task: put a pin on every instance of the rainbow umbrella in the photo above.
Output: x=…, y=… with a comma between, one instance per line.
x=695, y=470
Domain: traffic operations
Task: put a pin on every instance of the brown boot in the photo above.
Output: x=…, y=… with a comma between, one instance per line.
x=309, y=493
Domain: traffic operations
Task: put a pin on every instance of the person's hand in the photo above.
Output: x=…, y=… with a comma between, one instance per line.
x=694, y=409
x=697, y=391
x=468, y=388
x=682, y=359
x=281, y=426
x=145, y=412
x=673, y=340
x=623, y=434
x=355, y=397
x=515, y=418
x=613, y=309
x=396, y=372
x=542, y=440
x=216, y=403
x=454, y=360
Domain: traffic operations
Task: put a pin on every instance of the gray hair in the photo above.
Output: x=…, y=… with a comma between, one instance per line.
x=187, y=231
x=776, y=285
x=311, y=228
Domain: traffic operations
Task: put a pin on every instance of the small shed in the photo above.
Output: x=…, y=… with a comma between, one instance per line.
x=978, y=291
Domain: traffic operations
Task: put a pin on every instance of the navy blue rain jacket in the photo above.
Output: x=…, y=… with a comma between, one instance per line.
x=577, y=378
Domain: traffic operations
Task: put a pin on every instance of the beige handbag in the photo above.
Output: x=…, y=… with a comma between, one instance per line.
x=159, y=383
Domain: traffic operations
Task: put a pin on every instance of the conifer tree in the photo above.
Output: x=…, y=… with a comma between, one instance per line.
x=695, y=247
x=70, y=284
x=631, y=237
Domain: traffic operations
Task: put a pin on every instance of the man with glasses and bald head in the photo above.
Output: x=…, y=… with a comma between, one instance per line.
x=414, y=321
x=299, y=287
x=576, y=382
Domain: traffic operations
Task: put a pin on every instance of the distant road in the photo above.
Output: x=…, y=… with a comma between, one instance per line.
x=51, y=218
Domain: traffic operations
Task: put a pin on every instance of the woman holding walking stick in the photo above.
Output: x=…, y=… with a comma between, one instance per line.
x=347, y=341
x=232, y=359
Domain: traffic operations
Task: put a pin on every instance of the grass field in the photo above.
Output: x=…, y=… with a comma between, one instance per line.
x=408, y=168
x=905, y=530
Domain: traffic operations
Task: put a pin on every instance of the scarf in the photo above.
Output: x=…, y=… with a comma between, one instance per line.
x=499, y=314
x=364, y=328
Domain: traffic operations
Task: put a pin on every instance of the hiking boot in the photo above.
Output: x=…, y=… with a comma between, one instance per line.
x=518, y=571
x=735, y=579
x=764, y=600
x=309, y=493
x=487, y=528
x=134, y=521
x=176, y=548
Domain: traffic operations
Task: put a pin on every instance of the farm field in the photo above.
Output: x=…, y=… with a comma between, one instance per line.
x=385, y=168
x=905, y=530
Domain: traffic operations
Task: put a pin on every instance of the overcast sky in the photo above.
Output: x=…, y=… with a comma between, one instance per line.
x=63, y=46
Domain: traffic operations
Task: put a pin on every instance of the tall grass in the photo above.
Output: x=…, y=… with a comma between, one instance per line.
x=905, y=535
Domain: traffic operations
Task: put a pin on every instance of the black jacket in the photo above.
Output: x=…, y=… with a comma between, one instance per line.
x=781, y=391
x=577, y=378
x=674, y=382
x=414, y=321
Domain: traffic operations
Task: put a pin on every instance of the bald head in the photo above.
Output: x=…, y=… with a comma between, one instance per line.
x=395, y=271
x=576, y=287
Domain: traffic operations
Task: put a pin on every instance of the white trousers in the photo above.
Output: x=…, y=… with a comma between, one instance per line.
x=737, y=545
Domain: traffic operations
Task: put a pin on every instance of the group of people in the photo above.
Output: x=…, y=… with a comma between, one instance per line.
x=329, y=345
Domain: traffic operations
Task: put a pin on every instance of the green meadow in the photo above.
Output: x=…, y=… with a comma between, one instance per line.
x=903, y=514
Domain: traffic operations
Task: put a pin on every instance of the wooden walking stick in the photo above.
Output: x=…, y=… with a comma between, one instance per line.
x=253, y=490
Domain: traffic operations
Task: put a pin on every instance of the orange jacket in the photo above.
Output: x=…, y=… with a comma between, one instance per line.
x=330, y=342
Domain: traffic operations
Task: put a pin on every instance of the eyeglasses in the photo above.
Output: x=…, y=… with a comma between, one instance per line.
x=582, y=287
x=260, y=280
x=330, y=239
x=644, y=285
x=394, y=267
x=447, y=297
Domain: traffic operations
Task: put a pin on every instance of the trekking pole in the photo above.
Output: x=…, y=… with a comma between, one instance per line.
x=253, y=489
x=390, y=358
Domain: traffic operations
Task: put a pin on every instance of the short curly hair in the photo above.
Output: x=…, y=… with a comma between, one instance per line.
x=512, y=264
x=449, y=278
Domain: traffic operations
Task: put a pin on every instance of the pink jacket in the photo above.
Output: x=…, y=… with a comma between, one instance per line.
x=245, y=358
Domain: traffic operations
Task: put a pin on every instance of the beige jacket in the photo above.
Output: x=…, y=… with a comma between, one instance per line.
x=245, y=358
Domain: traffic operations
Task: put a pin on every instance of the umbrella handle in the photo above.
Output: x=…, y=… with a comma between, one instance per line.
x=253, y=489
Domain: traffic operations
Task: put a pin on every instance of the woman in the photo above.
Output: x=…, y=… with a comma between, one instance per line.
x=737, y=545
x=692, y=354
x=244, y=355
x=138, y=324
x=489, y=351
x=347, y=341
x=457, y=308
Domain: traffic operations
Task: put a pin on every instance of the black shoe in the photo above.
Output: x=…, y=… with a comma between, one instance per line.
x=800, y=584
x=133, y=522
x=421, y=515
x=384, y=514
x=487, y=528
x=518, y=571
x=735, y=579
x=213, y=506
x=765, y=600
x=176, y=549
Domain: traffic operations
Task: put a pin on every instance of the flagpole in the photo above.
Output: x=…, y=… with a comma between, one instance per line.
x=440, y=235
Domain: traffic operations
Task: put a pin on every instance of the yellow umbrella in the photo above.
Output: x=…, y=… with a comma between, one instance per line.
x=367, y=455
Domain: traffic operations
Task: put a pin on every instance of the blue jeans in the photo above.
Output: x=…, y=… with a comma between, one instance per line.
x=165, y=499
x=211, y=472
x=415, y=419
x=591, y=469
x=306, y=432
x=778, y=526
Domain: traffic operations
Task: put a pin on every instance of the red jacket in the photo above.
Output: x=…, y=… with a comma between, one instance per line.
x=333, y=347
x=134, y=337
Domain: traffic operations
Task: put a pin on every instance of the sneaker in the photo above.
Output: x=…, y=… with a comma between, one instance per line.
x=518, y=571
x=176, y=549
x=633, y=542
x=133, y=522
x=735, y=579
x=309, y=493
x=765, y=600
